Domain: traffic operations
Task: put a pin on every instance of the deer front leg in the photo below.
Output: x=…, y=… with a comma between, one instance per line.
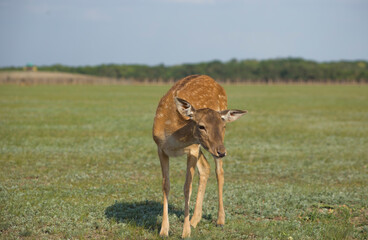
x=204, y=173
x=220, y=182
x=164, y=160
x=191, y=163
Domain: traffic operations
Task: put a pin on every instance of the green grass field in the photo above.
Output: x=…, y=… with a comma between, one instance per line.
x=79, y=162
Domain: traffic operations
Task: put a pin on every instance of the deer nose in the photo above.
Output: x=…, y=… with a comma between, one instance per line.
x=221, y=155
x=221, y=151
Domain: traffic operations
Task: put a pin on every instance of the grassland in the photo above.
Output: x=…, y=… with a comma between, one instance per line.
x=79, y=162
x=30, y=78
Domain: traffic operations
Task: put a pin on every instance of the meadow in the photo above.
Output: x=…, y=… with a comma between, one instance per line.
x=79, y=162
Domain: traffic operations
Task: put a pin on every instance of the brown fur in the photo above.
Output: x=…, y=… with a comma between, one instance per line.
x=192, y=114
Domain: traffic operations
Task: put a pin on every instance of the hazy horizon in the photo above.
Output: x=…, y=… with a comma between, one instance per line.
x=183, y=63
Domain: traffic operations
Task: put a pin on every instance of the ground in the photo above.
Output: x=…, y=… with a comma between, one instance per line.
x=80, y=162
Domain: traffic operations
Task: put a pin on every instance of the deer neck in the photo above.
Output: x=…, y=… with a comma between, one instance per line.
x=184, y=136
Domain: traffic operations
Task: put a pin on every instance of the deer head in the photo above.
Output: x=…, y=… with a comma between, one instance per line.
x=209, y=129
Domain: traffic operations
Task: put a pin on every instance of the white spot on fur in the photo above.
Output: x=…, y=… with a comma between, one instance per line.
x=168, y=122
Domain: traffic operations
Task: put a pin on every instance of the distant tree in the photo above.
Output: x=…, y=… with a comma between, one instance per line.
x=283, y=69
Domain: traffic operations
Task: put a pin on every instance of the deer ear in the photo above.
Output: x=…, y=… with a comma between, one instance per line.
x=232, y=115
x=184, y=108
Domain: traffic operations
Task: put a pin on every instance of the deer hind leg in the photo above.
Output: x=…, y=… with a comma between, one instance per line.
x=220, y=183
x=204, y=172
x=164, y=160
x=191, y=164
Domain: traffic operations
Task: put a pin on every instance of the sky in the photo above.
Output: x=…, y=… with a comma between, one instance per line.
x=93, y=32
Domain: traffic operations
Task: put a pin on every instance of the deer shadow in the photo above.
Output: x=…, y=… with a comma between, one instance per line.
x=143, y=214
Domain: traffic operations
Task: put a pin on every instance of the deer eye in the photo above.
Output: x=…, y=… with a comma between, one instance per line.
x=201, y=127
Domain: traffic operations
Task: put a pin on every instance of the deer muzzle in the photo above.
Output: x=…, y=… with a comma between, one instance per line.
x=220, y=151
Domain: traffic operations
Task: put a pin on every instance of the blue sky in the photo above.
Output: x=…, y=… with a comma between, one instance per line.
x=92, y=32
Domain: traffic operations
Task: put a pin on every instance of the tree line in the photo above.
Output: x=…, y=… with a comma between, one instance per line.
x=233, y=71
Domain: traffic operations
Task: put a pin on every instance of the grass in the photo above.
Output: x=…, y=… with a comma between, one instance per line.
x=79, y=162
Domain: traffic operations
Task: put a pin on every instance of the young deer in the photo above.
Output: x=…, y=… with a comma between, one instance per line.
x=193, y=113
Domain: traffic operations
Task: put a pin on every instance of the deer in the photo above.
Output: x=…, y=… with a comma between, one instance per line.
x=191, y=115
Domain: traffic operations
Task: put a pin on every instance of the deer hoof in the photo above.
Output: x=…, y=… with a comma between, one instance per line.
x=164, y=232
x=220, y=225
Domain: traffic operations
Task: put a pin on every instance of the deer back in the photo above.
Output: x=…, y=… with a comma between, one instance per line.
x=200, y=90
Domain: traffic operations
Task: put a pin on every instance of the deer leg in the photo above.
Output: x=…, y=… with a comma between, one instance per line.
x=164, y=160
x=204, y=173
x=220, y=183
x=191, y=163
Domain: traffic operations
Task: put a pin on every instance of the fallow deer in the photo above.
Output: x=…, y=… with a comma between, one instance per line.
x=193, y=113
